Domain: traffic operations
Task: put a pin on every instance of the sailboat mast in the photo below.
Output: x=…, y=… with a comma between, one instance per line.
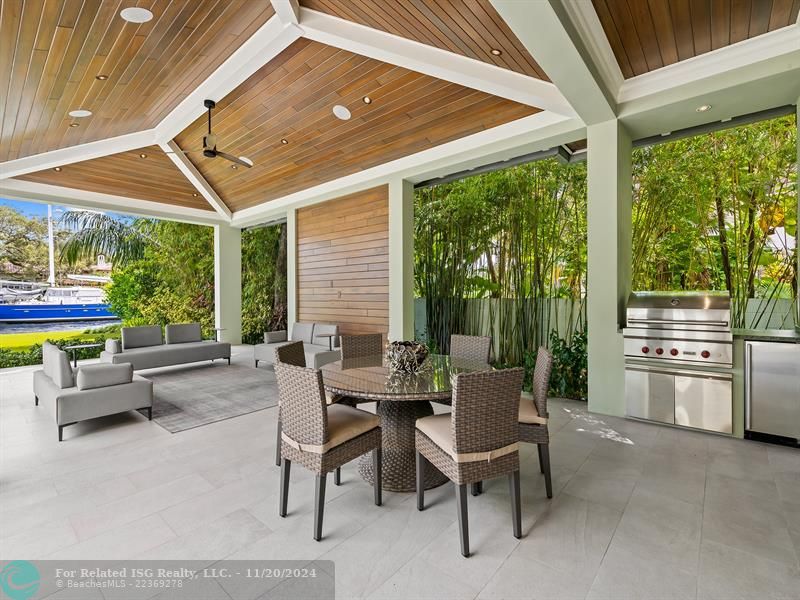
x=50, y=246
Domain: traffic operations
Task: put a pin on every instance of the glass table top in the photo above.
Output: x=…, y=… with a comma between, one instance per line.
x=371, y=377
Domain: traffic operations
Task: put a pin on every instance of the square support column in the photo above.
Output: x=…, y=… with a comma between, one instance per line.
x=797, y=234
x=401, y=260
x=609, y=262
x=228, y=282
x=291, y=268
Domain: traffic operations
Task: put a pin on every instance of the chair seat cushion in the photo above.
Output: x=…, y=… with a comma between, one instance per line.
x=346, y=423
x=437, y=428
x=528, y=413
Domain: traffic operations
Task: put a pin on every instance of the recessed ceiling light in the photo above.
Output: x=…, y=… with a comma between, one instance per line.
x=143, y=155
x=284, y=141
x=136, y=14
x=194, y=194
x=101, y=77
x=57, y=169
x=341, y=112
x=496, y=52
x=80, y=113
x=703, y=108
x=367, y=100
x=73, y=124
x=234, y=166
x=247, y=160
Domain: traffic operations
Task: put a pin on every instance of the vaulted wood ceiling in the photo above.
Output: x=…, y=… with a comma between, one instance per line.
x=52, y=51
x=291, y=98
x=468, y=27
x=646, y=35
x=153, y=177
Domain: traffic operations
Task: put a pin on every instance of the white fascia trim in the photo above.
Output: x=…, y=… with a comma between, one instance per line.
x=271, y=39
x=586, y=22
x=173, y=151
x=17, y=189
x=288, y=11
x=784, y=42
x=432, y=61
x=73, y=154
x=529, y=134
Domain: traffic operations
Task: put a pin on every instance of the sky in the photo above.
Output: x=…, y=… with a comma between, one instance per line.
x=38, y=209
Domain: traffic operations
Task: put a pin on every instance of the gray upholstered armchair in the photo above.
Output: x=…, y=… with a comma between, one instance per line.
x=89, y=391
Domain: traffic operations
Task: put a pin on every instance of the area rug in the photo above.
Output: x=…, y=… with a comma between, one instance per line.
x=197, y=395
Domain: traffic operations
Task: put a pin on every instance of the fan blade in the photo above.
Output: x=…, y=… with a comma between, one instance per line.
x=234, y=159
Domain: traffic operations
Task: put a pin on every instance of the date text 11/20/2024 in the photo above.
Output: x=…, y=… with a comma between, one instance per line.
x=185, y=573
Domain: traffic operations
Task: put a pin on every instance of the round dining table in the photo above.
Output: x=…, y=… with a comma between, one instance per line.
x=401, y=398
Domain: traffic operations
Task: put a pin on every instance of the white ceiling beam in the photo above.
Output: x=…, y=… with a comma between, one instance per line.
x=173, y=151
x=504, y=142
x=17, y=189
x=73, y=154
x=288, y=11
x=433, y=61
x=544, y=29
x=271, y=39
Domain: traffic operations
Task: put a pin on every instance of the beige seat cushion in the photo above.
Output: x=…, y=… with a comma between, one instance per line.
x=528, y=413
x=346, y=423
x=437, y=429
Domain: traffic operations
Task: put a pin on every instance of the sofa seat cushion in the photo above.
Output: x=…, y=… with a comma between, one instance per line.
x=183, y=332
x=139, y=337
x=99, y=376
x=170, y=354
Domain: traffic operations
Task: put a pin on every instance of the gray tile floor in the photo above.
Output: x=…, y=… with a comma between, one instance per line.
x=640, y=511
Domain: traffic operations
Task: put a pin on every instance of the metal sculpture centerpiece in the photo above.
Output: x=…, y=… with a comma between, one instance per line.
x=406, y=357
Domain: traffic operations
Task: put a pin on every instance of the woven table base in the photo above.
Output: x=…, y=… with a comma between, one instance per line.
x=398, y=421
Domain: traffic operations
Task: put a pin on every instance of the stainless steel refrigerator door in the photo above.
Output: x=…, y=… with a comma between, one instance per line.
x=650, y=395
x=773, y=388
x=704, y=402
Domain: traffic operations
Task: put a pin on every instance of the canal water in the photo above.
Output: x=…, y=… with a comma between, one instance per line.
x=55, y=326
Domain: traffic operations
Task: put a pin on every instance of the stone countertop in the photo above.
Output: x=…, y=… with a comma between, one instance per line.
x=769, y=335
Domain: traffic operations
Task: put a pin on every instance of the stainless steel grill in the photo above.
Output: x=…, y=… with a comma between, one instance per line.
x=679, y=359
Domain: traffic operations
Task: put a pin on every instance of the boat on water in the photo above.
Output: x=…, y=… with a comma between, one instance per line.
x=26, y=302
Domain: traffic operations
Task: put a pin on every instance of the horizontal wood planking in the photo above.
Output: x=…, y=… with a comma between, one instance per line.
x=646, y=35
x=470, y=28
x=154, y=178
x=292, y=98
x=343, y=262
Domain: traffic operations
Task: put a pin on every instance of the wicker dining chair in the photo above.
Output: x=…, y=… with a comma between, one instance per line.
x=533, y=415
x=478, y=440
x=359, y=346
x=472, y=347
x=292, y=353
x=321, y=437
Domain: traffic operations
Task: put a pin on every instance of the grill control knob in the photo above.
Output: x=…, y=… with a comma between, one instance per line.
x=673, y=352
x=659, y=351
x=705, y=354
x=645, y=349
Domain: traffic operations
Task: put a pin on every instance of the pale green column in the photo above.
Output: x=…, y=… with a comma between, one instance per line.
x=228, y=282
x=609, y=262
x=401, y=260
x=797, y=232
x=291, y=268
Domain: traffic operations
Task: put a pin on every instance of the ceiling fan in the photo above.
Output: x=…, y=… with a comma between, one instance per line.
x=210, y=144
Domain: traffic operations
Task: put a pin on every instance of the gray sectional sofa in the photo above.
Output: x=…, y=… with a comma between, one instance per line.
x=87, y=392
x=317, y=349
x=143, y=347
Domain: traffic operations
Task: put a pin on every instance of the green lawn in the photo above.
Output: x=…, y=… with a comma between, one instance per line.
x=23, y=341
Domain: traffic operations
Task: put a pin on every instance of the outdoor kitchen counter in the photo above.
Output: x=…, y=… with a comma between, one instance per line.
x=768, y=335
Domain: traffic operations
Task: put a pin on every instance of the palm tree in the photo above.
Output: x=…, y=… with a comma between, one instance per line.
x=96, y=233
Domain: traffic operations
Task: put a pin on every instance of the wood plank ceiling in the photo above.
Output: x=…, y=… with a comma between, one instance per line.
x=52, y=51
x=153, y=177
x=646, y=35
x=291, y=99
x=471, y=28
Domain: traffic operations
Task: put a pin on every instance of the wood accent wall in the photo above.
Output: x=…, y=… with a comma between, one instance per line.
x=343, y=262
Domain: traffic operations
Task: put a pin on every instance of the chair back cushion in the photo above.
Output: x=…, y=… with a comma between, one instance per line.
x=139, y=337
x=291, y=354
x=471, y=347
x=183, y=333
x=541, y=380
x=55, y=363
x=485, y=410
x=358, y=346
x=302, y=332
x=103, y=375
x=322, y=328
x=301, y=398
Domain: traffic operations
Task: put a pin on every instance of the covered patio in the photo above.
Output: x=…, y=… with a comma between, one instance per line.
x=334, y=112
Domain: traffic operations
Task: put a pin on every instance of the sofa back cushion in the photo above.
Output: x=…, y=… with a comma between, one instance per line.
x=302, y=332
x=321, y=328
x=55, y=363
x=183, y=332
x=104, y=375
x=139, y=337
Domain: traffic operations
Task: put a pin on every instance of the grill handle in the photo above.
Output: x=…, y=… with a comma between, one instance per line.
x=678, y=322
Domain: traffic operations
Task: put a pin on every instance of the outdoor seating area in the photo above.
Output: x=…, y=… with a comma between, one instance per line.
x=431, y=299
